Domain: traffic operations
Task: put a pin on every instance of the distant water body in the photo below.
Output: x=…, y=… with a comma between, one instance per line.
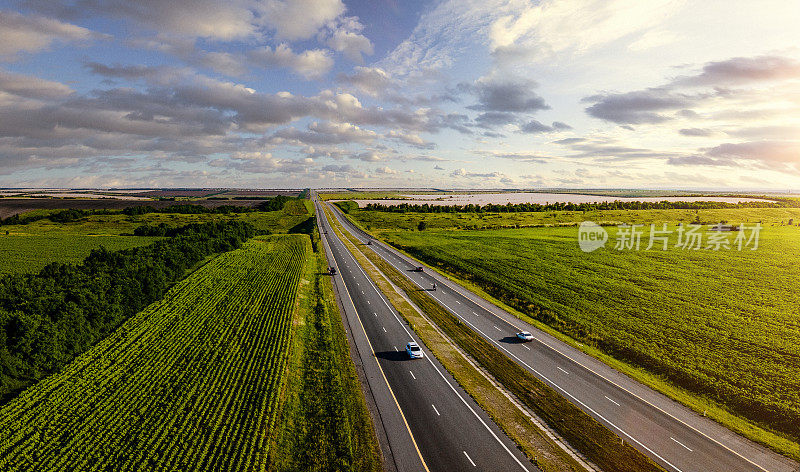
x=541, y=198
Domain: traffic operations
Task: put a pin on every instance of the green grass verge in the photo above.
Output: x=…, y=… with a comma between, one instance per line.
x=596, y=442
x=325, y=424
x=747, y=301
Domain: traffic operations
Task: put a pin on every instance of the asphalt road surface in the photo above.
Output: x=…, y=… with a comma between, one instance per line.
x=669, y=433
x=430, y=422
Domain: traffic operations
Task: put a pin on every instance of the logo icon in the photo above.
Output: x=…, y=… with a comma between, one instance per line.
x=591, y=236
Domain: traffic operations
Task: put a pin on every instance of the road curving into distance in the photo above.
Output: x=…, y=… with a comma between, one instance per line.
x=429, y=422
x=671, y=434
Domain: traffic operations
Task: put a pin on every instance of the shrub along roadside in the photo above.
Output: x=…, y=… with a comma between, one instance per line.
x=596, y=442
x=49, y=318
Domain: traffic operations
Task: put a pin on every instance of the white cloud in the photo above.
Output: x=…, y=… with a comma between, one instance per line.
x=311, y=64
x=300, y=19
x=652, y=39
x=347, y=39
x=574, y=26
x=32, y=87
x=22, y=33
x=385, y=170
x=370, y=80
x=410, y=139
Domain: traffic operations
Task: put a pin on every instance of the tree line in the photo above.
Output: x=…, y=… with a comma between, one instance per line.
x=49, y=318
x=70, y=215
x=583, y=207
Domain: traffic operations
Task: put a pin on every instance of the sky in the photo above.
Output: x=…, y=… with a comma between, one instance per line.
x=680, y=94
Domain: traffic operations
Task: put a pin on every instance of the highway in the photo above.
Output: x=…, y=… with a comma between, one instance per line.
x=671, y=434
x=426, y=420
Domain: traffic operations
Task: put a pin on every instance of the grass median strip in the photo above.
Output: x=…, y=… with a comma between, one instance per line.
x=595, y=442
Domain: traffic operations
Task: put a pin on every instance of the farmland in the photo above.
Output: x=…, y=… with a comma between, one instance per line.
x=29, y=247
x=720, y=324
x=13, y=206
x=379, y=221
x=190, y=383
x=28, y=254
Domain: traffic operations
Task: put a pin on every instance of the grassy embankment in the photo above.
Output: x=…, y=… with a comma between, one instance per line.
x=325, y=425
x=712, y=329
x=595, y=442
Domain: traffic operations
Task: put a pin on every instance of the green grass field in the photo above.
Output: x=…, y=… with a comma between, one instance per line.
x=722, y=324
x=28, y=248
x=190, y=383
x=379, y=221
x=26, y=253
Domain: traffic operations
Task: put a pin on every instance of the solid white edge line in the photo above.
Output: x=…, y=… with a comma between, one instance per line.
x=441, y=280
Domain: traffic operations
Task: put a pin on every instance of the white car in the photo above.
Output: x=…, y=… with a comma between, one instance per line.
x=525, y=336
x=414, y=351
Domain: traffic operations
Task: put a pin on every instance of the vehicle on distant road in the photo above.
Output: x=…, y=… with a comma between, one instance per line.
x=332, y=270
x=434, y=287
x=418, y=269
x=414, y=350
x=525, y=336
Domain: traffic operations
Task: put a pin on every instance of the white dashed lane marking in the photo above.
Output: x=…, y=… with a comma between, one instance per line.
x=684, y=445
x=469, y=459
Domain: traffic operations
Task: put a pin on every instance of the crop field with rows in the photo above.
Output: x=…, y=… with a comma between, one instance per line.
x=191, y=383
x=721, y=324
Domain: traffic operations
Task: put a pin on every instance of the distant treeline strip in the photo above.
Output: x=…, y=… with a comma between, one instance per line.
x=347, y=206
x=70, y=215
x=49, y=318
